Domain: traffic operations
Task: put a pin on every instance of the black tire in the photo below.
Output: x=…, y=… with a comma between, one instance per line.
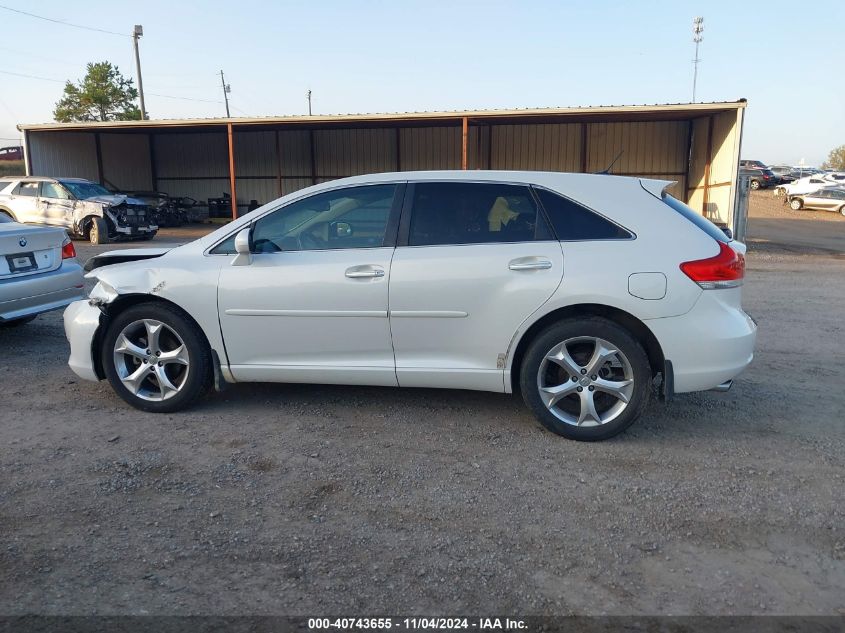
x=8, y=214
x=796, y=204
x=17, y=322
x=98, y=233
x=596, y=327
x=199, y=378
x=842, y=209
x=755, y=185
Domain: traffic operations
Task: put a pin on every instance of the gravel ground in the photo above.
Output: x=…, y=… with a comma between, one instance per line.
x=316, y=500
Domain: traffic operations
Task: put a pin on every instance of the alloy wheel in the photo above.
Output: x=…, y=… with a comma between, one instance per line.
x=151, y=360
x=585, y=381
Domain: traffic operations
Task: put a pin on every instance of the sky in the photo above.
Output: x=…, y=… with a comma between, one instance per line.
x=410, y=55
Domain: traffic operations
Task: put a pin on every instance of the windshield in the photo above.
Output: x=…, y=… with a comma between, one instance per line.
x=82, y=190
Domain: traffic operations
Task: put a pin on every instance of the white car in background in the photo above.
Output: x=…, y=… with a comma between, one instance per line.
x=38, y=272
x=805, y=185
x=576, y=290
x=84, y=208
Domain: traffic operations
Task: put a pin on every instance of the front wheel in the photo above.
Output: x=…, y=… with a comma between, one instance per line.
x=99, y=231
x=586, y=379
x=795, y=204
x=842, y=209
x=156, y=358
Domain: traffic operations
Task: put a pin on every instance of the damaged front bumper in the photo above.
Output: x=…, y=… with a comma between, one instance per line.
x=82, y=320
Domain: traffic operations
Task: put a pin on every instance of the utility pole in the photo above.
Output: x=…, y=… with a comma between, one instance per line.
x=137, y=32
x=226, y=90
x=697, y=28
x=308, y=96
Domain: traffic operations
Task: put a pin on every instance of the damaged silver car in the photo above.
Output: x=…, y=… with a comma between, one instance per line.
x=84, y=208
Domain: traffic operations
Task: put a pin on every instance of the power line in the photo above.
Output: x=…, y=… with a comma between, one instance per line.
x=62, y=22
x=154, y=94
x=9, y=72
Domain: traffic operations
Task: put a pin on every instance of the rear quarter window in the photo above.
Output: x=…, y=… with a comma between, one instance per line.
x=696, y=218
x=574, y=222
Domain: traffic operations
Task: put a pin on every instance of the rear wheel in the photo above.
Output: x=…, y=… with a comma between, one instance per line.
x=755, y=185
x=99, y=231
x=842, y=209
x=8, y=214
x=795, y=204
x=156, y=358
x=586, y=379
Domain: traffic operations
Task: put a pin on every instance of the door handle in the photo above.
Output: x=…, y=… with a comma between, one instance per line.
x=364, y=272
x=529, y=263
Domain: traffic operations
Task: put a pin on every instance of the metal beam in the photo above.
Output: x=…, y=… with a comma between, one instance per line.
x=232, y=171
x=398, y=149
x=277, y=133
x=27, y=155
x=98, y=150
x=464, y=141
x=313, y=146
x=708, y=159
x=153, y=168
x=584, y=148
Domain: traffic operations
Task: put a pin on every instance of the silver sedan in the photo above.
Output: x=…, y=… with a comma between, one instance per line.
x=38, y=271
x=826, y=199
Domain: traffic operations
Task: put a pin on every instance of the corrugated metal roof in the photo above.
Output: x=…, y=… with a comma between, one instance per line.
x=673, y=108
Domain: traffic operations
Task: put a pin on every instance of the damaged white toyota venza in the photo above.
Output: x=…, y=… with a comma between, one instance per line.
x=576, y=290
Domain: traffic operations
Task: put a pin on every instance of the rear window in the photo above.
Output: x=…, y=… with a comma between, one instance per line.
x=573, y=222
x=696, y=218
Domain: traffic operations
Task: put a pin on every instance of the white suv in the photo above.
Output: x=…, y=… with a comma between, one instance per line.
x=576, y=290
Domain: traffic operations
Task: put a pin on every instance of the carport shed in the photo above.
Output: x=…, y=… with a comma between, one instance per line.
x=695, y=144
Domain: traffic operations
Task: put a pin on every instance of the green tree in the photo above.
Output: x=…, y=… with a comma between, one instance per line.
x=836, y=159
x=103, y=95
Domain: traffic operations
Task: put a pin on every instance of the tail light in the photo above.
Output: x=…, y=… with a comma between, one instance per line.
x=725, y=270
x=68, y=251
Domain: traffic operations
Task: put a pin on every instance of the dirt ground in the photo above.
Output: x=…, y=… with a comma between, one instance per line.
x=316, y=500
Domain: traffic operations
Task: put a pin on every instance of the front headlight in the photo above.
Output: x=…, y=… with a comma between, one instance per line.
x=102, y=294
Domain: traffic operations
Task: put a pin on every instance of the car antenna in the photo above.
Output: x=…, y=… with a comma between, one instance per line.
x=607, y=169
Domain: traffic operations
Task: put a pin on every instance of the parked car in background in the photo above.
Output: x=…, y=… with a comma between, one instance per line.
x=784, y=173
x=802, y=186
x=760, y=178
x=479, y=297
x=14, y=152
x=752, y=164
x=826, y=199
x=836, y=177
x=38, y=271
x=84, y=208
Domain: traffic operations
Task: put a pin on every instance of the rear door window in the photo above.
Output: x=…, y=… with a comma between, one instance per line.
x=474, y=213
x=574, y=222
x=29, y=189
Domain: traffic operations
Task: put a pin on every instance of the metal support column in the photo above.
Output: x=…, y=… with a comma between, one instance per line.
x=232, y=171
x=464, y=141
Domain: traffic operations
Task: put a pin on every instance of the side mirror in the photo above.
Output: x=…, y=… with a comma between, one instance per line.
x=341, y=229
x=242, y=248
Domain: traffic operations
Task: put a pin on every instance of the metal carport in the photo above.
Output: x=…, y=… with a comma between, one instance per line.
x=696, y=145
